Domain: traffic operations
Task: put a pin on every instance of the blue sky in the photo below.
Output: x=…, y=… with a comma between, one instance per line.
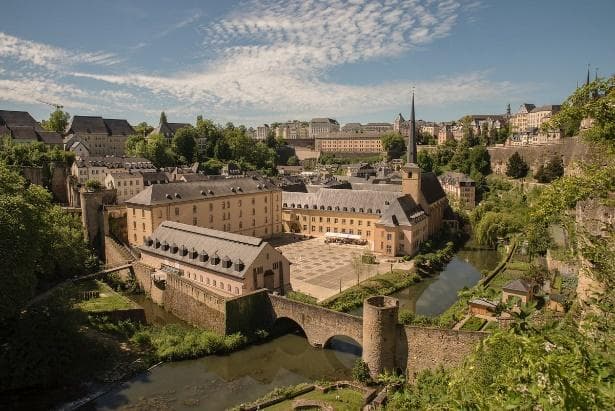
x=262, y=61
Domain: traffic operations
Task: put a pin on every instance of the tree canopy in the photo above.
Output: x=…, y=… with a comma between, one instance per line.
x=58, y=120
x=516, y=166
x=393, y=144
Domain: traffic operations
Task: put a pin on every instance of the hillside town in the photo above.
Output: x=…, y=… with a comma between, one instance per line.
x=304, y=263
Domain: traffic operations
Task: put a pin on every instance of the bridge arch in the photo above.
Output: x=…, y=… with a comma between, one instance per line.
x=344, y=343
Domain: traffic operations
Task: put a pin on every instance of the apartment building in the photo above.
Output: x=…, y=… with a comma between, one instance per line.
x=433, y=129
x=21, y=127
x=540, y=115
x=97, y=168
x=519, y=122
x=262, y=132
x=344, y=142
x=445, y=134
x=126, y=184
x=459, y=187
x=100, y=136
x=293, y=130
x=369, y=127
x=225, y=264
x=242, y=205
x=322, y=126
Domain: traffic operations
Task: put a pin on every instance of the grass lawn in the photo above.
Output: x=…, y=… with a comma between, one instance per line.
x=109, y=300
x=473, y=324
x=350, y=400
x=504, y=277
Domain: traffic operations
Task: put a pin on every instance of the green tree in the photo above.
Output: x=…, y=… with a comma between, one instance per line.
x=158, y=151
x=136, y=145
x=425, y=161
x=480, y=160
x=393, y=144
x=292, y=161
x=93, y=185
x=58, y=120
x=516, y=166
x=143, y=129
x=184, y=144
x=551, y=171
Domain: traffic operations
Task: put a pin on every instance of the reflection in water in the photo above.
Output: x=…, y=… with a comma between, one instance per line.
x=433, y=296
x=219, y=382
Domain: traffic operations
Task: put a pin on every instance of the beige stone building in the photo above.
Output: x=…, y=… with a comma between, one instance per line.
x=539, y=115
x=293, y=130
x=519, y=122
x=391, y=222
x=245, y=205
x=224, y=263
x=460, y=188
x=127, y=184
x=433, y=129
x=322, y=126
x=518, y=290
x=350, y=142
x=97, y=168
x=445, y=134
x=262, y=132
x=101, y=136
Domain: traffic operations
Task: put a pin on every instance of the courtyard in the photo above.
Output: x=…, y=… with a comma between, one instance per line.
x=321, y=269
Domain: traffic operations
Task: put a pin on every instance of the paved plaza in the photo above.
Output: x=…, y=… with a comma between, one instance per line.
x=319, y=269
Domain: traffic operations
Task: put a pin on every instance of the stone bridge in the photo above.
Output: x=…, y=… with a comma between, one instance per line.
x=319, y=324
x=386, y=345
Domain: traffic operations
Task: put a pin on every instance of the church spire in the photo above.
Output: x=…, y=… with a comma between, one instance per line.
x=412, y=134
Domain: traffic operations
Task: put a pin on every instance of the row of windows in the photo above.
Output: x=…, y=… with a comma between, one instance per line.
x=212, y=283
x=343, y=230
x=335, y=220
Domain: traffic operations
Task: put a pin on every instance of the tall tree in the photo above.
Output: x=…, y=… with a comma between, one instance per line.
x=393, y=144
x=58, y=120
x=516, y=166
x=143, y=129
x=163, y=117
x=184, y=144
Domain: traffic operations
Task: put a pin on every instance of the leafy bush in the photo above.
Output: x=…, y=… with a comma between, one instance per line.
x=473, y=324
x=360, y=371
x=301, y=297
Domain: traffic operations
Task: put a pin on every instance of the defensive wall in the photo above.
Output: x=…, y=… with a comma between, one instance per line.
x=386, y=345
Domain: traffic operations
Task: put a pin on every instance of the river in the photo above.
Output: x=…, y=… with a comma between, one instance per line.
x=219, y=382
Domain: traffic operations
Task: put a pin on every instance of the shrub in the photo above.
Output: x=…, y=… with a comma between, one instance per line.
x=360, y=371
x=301, y=297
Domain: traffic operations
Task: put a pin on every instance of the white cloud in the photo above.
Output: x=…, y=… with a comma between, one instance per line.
x=47, y=56
x=273, y=59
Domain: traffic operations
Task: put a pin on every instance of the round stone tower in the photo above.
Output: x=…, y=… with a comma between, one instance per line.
x=379, y=333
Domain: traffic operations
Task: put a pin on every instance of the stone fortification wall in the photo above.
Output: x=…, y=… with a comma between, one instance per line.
x=143, y=275
x=248, y=313
x=379, y=333
x=319, y=324
x=420, y=348
x=194, y=304
x=570, y=149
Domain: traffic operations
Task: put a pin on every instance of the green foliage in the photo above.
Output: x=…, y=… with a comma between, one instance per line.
x=174, y=342
x=136, y=146
x=360, y=371
x=473, y=324
x=34, y=154
x=93, y=185
x=184, y=144
x=143, y=129
x=551, y=171
x=42, y=244
x=425, y=161
x=293, y=161
x=58, y=120
x=301, y=297
x=158, y=151
x=516, y=166
x=407, y=317
x=393, y=144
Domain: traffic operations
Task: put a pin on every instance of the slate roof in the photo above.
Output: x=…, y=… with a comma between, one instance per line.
x=324, y=120
x=177, y=192
x=548, y=107
x=454, y=178
x=50, y=137
x=87, y=124
x=431, y=187
x=483, y=302
x=402, y=211
x=154, y=177
x=198, y=246
x=24, y=133
x=191, y=177
x=518, y=285
x=395, y=188
x=358, y=201
x=18, y=118
x=118, y=127
x=115, y=162
x=168, y=129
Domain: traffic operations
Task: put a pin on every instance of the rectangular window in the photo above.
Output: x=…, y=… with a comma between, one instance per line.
x=176, y=210
x=335, y=220
x=389, y=236
x=193, y=220
x=328, y=220
x=194, y=209
x=369, y=223
x=359, y=222
x=142, y=213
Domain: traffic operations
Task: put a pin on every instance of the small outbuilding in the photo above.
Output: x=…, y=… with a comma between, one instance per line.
x=482, y=306
x=518, y=289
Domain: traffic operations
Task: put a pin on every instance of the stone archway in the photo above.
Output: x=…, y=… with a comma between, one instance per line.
x=344, y=343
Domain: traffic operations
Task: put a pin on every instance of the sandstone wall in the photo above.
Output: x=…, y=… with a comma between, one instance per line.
x=194, y=304
x=319, y=324
x=420, y=348
x=248, y=313
x=143, y=275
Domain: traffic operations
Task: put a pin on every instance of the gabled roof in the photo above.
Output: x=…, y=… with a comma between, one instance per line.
x=197, y=246
x=50, y=137
x=431, y=187
x=453, y=177
x=519, y=285
x=154, y=177
x=548, y=107
x=18, y=119
x=118, y=127
x=402, y=211
x=87, y=124
x=178, y=192
x=370, y=202
x=169, y=129
x=23, y=133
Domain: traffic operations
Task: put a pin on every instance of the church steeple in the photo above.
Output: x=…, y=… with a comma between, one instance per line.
x=412, y=135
